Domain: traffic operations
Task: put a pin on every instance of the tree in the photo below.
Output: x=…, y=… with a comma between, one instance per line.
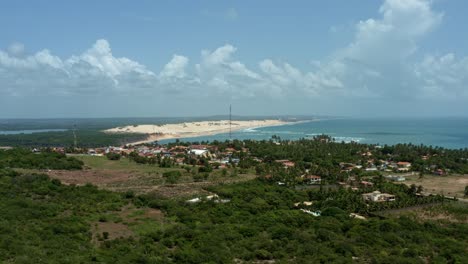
x=172, y=177
x=113, y=156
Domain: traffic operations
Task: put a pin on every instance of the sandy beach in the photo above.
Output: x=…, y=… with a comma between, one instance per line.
x=191, y=129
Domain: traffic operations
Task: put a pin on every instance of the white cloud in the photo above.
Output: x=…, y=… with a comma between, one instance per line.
x=222, y=73
x=443, y=76
x=16, y=49
x=100, y=57
x=394, y=36
x=175, y=68
x=377, y=63
x=96, y=70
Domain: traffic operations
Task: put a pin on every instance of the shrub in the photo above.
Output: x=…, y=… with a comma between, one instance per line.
x=172, y=176
x=113, y=156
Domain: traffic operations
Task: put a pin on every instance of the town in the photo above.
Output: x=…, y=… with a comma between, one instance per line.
x=361, y=171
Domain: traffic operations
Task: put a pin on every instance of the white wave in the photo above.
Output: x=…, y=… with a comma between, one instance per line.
x=250, y=130
x=318, y=134
x=284, y=132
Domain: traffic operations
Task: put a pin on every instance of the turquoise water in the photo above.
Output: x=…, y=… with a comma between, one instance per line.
x=30, y=131
x=446, y=132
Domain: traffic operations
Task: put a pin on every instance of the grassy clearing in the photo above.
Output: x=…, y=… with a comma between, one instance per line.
x=451, y=185
x=130, y=221
x=123, y=175
x=454, y=212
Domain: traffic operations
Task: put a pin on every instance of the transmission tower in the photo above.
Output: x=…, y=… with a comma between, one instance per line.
x=230, y=122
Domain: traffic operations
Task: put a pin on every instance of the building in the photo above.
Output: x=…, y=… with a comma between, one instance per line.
x=396, y=178
x=373, y=168
x=403, y=166
x=366, y=184
x=312, y=179
x=286, y=163
x=377, y=196
x=199, y=152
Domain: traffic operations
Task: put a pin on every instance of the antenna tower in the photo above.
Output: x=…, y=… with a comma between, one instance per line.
x=230, y=122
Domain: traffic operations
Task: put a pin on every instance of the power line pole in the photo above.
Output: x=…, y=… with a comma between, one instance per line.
x=230, y=122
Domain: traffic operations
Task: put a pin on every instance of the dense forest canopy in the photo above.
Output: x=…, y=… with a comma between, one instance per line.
x=85, y=139
x=259, y=220
x=43, y=221
x=46, y=159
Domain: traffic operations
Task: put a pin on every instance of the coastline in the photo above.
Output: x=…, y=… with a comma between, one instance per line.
x=195, y=129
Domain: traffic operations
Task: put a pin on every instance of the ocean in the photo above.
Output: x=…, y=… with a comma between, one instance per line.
x=444, y=132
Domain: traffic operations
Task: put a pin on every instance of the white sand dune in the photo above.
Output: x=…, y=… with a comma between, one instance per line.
x=191, y=129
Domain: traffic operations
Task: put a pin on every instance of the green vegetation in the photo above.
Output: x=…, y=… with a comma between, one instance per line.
x=113, y=156
x=172, y=176
x=43, y=221
x=86, y=139
x=46, y=159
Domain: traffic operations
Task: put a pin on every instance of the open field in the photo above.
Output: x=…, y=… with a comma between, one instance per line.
x=130, y=221
x=451, y=185
x=455, y=212
x=124, y=175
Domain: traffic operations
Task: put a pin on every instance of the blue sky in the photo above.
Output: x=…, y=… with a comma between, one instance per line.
x=192, y=58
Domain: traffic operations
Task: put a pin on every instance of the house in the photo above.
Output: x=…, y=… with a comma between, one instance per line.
x=306, y=203
x=199, y=152
x=367, y=184
x=377, y=196
x=312, y=179
x=286, y=163
x=373, y=168
x=192, y=147
x=113, y=150
x=403, y=166
x=396, y=178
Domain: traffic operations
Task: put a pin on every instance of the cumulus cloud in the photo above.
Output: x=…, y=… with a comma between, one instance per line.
x=443, y=76
x=175, y=68
x=394, y=36
x=222, y=73
x=378, y=62
x=94, y=71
